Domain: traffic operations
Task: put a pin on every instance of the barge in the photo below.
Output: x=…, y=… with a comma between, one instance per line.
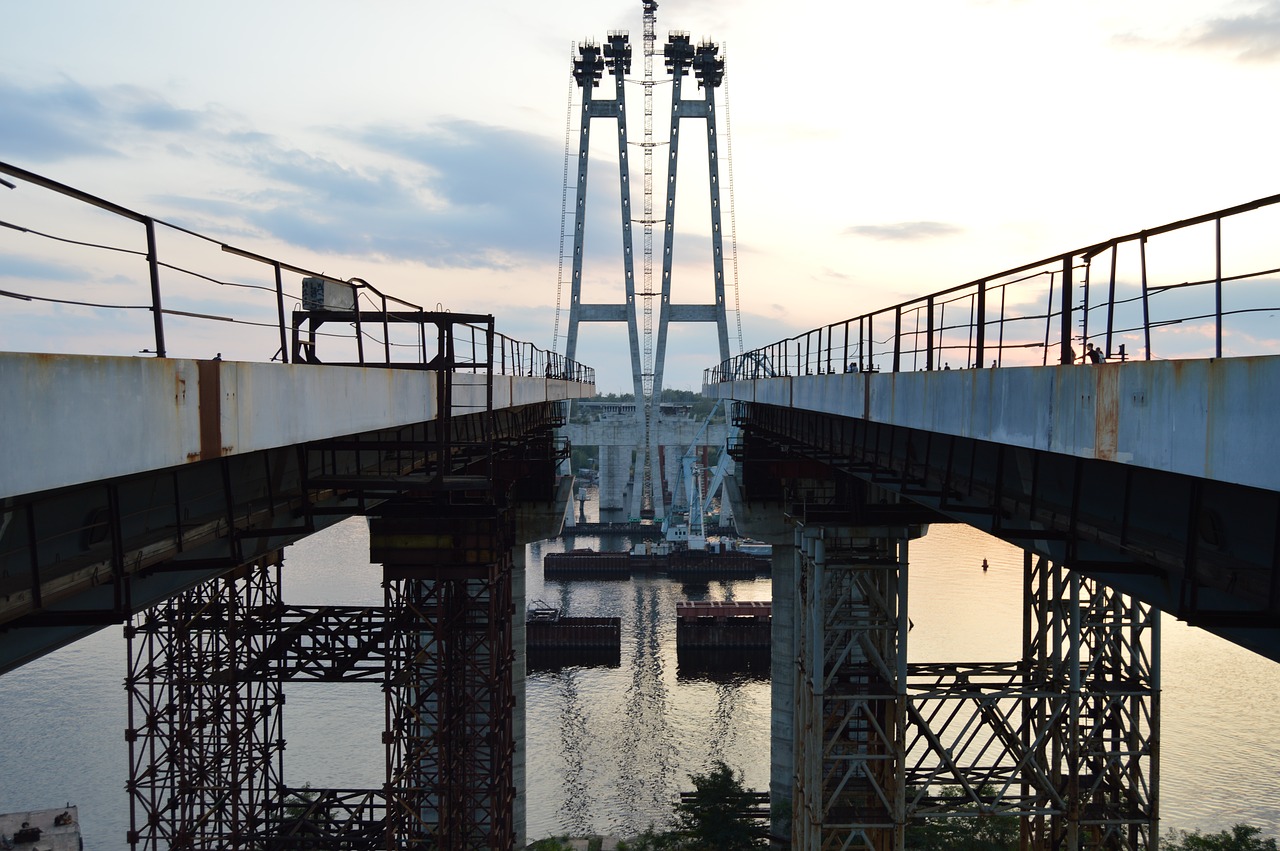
x=715, y=561
x=726, y=637
x=553, y=641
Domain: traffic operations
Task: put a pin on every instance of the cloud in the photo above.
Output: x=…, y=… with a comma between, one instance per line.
x=31, y=269
x=66, y=119
x=904, y=231
x=455, y=194
x=460, y=194
x=1251, y=37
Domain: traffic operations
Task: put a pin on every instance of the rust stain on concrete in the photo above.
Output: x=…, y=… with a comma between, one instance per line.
x=1106, y=424
x=210, y=409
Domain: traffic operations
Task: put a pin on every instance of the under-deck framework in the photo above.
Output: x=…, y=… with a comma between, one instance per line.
x=1063, y=739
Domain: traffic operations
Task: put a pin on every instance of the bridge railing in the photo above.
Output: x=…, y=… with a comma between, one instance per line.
x=203, y=296
x=1200, y=287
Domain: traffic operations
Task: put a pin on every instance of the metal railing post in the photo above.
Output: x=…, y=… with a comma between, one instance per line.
x=897, y=339
x=1067, y=354
x=355, y=298
x=153, y=265
x=386, y=330
x=1217, y=286
x=1111, y=298
x=284, y=335
x=1146, y=300
x=980, y=330
x=928, y=336
x=871, y=343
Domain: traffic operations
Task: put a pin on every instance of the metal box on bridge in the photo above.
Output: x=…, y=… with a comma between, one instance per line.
x=321, y=294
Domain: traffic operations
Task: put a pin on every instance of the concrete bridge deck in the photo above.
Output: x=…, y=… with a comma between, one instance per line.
x=1158, y=477
x=124, y=480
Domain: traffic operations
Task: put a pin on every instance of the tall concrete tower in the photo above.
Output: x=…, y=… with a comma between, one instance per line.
x=646, y=497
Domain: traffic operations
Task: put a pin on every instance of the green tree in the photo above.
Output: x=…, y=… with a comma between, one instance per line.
x=715, y=815
x=653, y=840
x=976, y=832
x=1241, y=837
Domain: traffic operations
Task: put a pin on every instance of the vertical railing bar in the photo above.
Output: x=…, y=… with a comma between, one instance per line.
x=1048, y=320
x=1217, y=288
x=1084, y=319
x=422, y=335
x=979, y=346
x=915, y=342
x=942, y=330
x=1067, y=355
x=897, y=338
x=1000, y=341
x=1111, y=298
x=968, y=346
x=284, y=335
x=1146, y=300
x=386, y=330
x=928, y=337
x=359, y=329
x=153, y=265
x=871, y=342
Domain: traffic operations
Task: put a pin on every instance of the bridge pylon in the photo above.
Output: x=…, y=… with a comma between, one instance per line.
x=681, y=57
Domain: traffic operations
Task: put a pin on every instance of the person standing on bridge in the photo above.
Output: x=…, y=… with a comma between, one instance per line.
x=1092, y=353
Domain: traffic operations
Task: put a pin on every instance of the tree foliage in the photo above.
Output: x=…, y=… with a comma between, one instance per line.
x=1241, y=837
x=715, y=815
x=977, y=831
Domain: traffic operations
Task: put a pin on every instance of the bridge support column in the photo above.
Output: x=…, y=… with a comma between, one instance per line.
x=1097, y=742
x=615, y=469
x=850, y=588
x=205, y=740
x=449, y=682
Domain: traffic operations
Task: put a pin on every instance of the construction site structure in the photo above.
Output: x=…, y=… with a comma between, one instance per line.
x=646, y=498
x=446, y=502
x=1062, y=742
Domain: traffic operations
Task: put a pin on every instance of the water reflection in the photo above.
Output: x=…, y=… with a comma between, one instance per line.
x=579, y=803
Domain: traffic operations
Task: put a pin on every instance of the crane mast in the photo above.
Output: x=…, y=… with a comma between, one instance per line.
x=649, y=403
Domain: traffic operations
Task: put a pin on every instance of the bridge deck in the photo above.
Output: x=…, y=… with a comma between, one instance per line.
x=84, y=418
x=1158, y=478
x=1215, y=419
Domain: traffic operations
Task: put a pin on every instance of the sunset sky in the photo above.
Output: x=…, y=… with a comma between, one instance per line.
x=879, y=151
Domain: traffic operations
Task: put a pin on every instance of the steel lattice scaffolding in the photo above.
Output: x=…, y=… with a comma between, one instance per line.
x=1064, y=739
x=205, y=744
x=851, y=639
x=1102, y=649
x=449, y=699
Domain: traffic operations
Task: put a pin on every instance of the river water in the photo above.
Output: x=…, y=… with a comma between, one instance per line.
x=608, y=748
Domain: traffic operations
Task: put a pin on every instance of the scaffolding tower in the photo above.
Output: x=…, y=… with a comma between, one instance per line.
x=207, y=667
x=205, y=743
x=1064, y=740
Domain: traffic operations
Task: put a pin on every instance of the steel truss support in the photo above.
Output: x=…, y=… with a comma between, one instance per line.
x=1066, y=740
x=1101, y=650
x=205, y=746
x=449, y=688
x=850, y=638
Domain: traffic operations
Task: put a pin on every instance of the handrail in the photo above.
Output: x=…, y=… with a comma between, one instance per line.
x=299, y=334
x=1038, y=310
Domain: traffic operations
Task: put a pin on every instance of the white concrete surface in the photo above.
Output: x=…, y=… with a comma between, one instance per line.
x=1215, y=419
x=69, y=419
